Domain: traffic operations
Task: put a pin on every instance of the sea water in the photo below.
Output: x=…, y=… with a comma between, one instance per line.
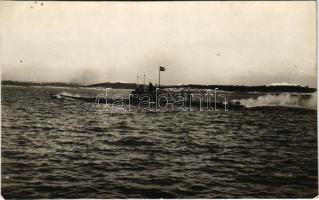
x=64, y=148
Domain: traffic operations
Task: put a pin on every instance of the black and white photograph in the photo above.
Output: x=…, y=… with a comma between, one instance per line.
x=158, y=99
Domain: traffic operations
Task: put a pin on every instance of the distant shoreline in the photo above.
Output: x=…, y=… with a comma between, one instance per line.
x=228, y=88
x=24, y=83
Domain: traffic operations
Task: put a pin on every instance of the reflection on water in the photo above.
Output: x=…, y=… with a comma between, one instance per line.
x=54, y=148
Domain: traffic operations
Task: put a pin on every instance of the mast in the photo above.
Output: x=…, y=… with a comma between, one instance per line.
x=136, y=81
x=159, y=74
x=159, y=77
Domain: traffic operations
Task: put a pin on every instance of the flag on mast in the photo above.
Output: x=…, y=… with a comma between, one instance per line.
x=161, y=69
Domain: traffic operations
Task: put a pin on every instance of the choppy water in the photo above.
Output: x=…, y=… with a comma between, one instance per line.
x=54, y=148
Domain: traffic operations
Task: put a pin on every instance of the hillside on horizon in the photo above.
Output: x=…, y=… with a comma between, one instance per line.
x=123, y=85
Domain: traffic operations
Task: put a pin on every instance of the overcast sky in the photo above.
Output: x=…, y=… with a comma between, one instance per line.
x=245, y=43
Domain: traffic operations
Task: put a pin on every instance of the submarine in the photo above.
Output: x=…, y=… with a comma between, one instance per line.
x=152, y=96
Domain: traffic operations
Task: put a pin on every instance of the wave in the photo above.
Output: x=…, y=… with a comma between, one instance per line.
x=65, y=95
x=308, y=101
x=69, y=94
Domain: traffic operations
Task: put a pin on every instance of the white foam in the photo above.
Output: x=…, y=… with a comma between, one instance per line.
x=69, y=94
x=285, y=99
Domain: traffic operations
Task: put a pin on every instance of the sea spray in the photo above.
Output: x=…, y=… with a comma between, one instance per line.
x=69, y=94
x=308, y=101
x=65, y=95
